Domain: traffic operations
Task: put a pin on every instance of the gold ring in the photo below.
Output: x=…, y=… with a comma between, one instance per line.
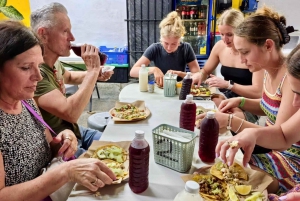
x=68, y=138
x=233, y=144
x=94, y=183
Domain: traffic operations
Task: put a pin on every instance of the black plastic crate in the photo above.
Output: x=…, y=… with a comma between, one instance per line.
x=120, y=75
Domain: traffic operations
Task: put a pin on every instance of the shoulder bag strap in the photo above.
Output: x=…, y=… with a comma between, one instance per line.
x=37, y=116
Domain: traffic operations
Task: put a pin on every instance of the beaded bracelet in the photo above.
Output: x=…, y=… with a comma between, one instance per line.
x=229, y=121
x=242, y=103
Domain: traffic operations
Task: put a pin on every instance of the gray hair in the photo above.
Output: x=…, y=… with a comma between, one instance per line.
x=45, y=16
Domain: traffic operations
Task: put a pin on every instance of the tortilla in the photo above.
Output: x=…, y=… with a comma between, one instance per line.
x=113, y=152
x=117, y=168
x=230, y=174
x=211, y=188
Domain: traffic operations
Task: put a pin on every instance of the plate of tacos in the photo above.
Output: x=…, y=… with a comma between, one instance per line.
x=129, y=111
x=222, y=183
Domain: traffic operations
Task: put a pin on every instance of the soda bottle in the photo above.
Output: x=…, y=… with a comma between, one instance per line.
x=143, y=78
x=208, y=139
x=77, y=50
x=188, y=114
x=190, y=192
x=183, y=12
x=139, y=163
x=186, y=86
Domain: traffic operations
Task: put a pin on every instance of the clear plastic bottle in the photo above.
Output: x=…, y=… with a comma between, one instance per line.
x=190, y=192
x=125, y=48
x=139, y=163
x=143, y=78
x=186, y=86
x=188, y=114
x=208, y=139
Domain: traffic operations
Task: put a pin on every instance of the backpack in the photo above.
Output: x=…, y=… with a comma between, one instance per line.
x=249, y=6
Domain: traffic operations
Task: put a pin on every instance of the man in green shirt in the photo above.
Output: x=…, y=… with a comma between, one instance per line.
x=52, y=25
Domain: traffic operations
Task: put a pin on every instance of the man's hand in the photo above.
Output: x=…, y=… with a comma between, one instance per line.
x=105, y=76
x=90, y=56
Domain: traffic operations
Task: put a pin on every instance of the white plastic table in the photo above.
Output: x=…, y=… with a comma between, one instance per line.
x=132, y=91
x=164, y=183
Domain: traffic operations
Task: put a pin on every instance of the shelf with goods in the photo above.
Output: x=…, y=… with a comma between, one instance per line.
x=196, y=16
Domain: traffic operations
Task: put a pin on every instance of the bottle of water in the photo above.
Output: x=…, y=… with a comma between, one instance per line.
x=125, y=48
x=190, y=192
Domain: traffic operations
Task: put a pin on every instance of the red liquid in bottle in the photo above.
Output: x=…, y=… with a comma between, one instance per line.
x=77, y=50
x=188, y=114
x=186, y=86
x=209, y=133
x=139, y=163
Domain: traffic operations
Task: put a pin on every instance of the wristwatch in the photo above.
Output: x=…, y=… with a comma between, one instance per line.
x=230, y=84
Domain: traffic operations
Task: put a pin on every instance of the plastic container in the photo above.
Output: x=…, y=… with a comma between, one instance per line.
x=188, y=114
x=170, y=85
x=186, y=86
x=114, y=55
x=178, y=87
x=143, y=78
x=139, y=163
x=190, y=192
x=151, y=86
x=174, y=154
x=208, y=139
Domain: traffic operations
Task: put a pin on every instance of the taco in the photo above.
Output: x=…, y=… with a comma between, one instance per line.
x=211, y=188
x=129, y=112
x=232, y=174
x=117, y=168
x=112, y=152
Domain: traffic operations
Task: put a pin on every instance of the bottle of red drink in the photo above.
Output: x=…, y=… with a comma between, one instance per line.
x=77, y=50
x=208, y=139
x=139, y=163
x=188, y=114
x=186, y=86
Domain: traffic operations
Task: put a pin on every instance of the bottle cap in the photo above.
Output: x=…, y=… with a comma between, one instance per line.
x=188, y=75
x=143, y=65
x=189, y=97
x=192, y=187
x=210, y=114
x=139, y=134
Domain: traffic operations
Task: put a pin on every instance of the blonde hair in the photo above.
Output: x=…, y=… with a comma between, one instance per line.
x=231, y=17
x=262, y=25
x=172, y=26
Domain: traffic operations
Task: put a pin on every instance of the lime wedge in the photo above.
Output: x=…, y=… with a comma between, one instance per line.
x=243, y=189
x=231, y=193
